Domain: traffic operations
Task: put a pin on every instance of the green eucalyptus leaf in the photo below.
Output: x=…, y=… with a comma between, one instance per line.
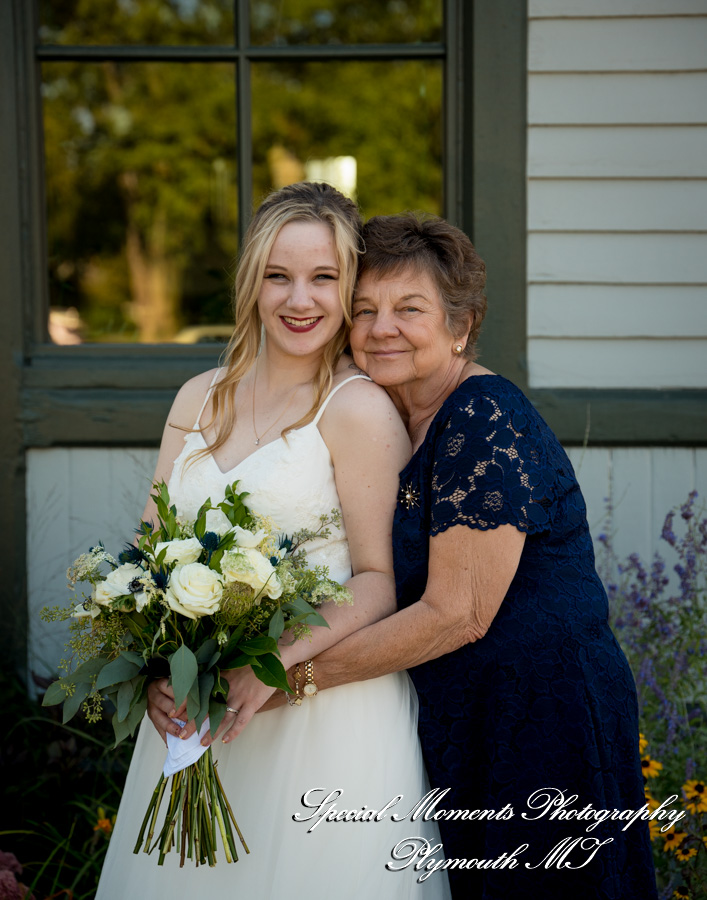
x=193, y=701
x=88, y=670
x=72, y=703
x=212, y=662
x=243, y=659
x=184, y=669
x=206, y=683
x=206, y=651
x=127, y=693
x=122, y=668
x=217, y=710
x=54, y=694
x=272, y=672
x=277, y=624
x=257, y=645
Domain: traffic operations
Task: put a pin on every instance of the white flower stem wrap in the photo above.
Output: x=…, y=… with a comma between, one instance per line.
x=194, y=590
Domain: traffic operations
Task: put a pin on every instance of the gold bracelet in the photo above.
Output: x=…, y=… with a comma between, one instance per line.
x=309, y=688
x=297, y=699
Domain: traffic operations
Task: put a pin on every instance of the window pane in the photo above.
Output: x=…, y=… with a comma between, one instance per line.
x=136, y=21
x=141, y=196
x=345, y=21
x=372, y=128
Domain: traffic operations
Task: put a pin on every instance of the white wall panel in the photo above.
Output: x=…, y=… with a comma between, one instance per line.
x=597, y=310
x=597, y=363
x=613, y=205
x=675, y=151
x=618, y=45
x=602, y=8
x=644, y=484
x=75, y=497
x=620, y=99
x=618, y=257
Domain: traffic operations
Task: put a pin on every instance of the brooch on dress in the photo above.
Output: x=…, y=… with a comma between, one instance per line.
x=408, y=496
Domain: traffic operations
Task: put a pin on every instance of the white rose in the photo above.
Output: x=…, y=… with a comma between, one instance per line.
x=250, y=567
x=248, y=538
x=182, y=552
x=194, y=590
x=117, y=583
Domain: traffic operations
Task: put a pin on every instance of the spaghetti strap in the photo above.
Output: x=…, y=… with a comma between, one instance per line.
x=208, y=394
x=333, y=391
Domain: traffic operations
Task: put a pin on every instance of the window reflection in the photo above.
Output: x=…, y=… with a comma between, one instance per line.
x=151, y=22
x=141, y=197
x=385, y=117
x=345, y=21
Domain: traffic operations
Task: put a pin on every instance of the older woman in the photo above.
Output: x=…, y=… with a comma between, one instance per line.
x=527, y=704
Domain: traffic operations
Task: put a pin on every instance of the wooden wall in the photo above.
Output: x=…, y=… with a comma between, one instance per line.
x=617, y=193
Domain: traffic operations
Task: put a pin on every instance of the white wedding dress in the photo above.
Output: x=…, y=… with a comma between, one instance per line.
x=360, y=739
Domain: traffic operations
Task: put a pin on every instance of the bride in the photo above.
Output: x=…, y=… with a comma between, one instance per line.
x=294, y=422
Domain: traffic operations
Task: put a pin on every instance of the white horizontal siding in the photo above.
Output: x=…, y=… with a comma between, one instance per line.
x=617, y=193
x=618, y=45
x=607, y=8
x=561, y=204
x=644, y=484
x=618, y=258
x=631, y=311
x=617, y=363
x=618, y=98
x=676, y=151
x=75, y=497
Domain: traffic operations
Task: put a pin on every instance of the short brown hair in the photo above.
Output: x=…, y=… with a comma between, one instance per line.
x=429, y=244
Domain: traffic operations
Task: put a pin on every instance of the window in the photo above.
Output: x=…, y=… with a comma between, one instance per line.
x=165, y=121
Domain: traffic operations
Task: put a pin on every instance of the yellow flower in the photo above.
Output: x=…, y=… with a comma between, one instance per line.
x=651, y=801
x=654, y=829
x=696, y=794
x=642, y=744
x=684, y=853
x=650, y=767
x=103, y=825
x=681, y=893
x=673, y=839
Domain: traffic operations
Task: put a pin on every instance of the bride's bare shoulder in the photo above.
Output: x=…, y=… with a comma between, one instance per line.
x=190, y=398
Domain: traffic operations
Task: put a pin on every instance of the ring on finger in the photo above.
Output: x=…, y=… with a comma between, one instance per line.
x=232, y=710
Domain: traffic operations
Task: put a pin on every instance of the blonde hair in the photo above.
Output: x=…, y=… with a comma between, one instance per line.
x=303, y=202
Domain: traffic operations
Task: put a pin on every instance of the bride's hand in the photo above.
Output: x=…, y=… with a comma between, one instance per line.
x=247, y=694
x=160, y=708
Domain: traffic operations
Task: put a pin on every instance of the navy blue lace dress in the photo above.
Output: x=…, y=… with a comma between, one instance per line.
x=545, y=701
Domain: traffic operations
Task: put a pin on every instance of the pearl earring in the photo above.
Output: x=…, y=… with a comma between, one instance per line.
x=458, y=348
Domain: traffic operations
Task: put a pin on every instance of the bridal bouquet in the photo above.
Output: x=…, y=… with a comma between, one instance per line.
x=189, y=600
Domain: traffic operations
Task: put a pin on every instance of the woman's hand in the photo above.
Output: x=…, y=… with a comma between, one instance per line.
x=160, y=709
x=247, y=694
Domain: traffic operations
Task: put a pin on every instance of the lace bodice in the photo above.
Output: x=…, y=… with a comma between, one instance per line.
x=289, y=480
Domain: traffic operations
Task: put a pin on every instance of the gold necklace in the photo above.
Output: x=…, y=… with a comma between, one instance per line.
x=258, y=437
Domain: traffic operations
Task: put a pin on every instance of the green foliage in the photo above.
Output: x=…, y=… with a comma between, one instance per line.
x=659, y=619
x=58, y=783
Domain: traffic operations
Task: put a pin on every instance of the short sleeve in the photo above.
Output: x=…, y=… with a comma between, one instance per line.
x=489, y=469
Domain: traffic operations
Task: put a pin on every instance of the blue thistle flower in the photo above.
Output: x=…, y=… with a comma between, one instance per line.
x=132, y=554
x=210, y=541
x=161, y=578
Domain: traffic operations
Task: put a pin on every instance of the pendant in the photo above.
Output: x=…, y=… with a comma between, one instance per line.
x=256, y=441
